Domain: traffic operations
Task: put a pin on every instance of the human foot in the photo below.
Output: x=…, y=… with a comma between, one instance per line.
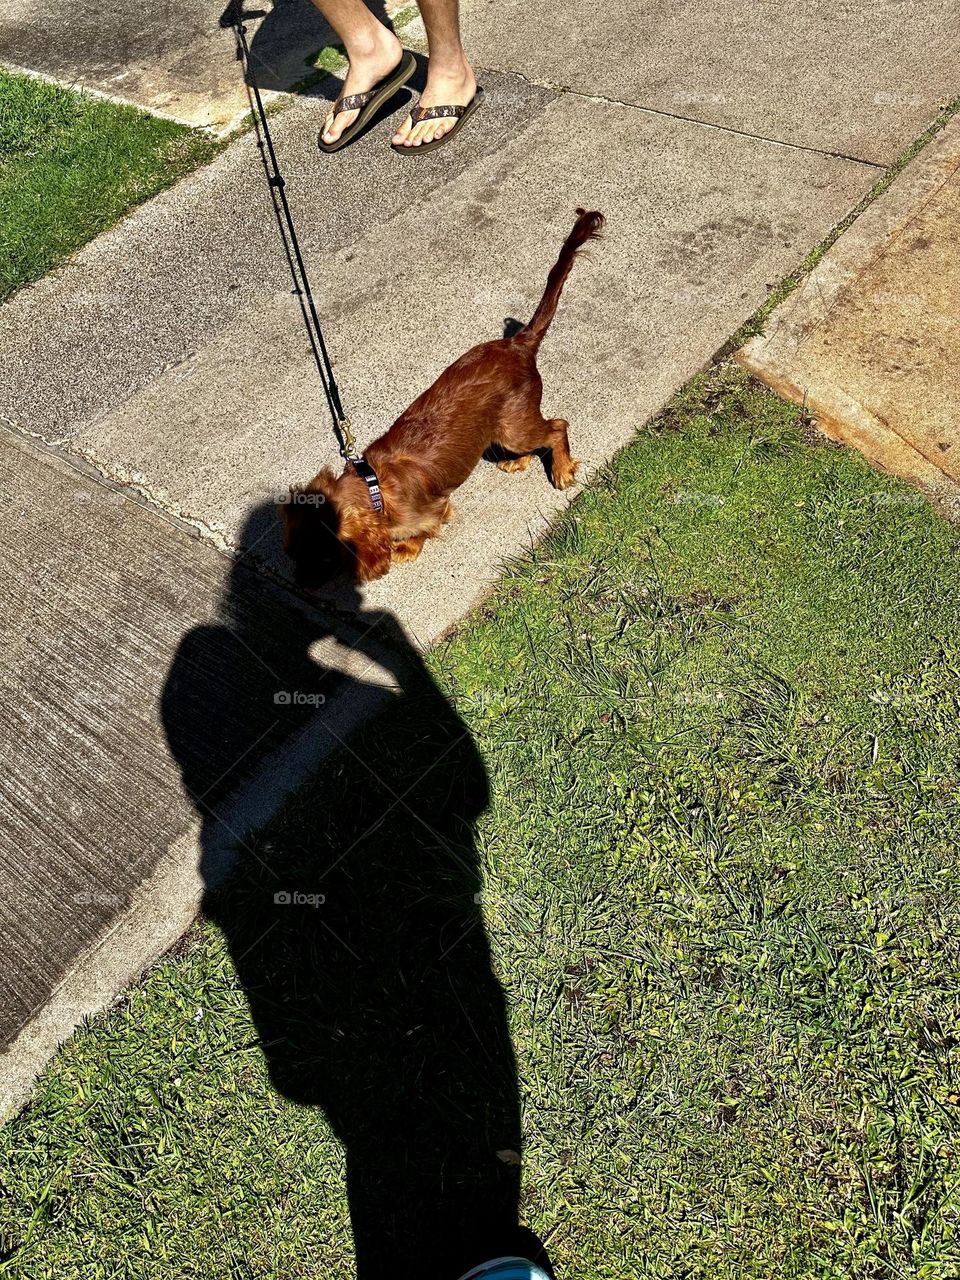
x=453, y=86
x=371, y=60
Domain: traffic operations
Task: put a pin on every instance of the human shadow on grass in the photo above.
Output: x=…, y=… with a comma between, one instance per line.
x=354, y=921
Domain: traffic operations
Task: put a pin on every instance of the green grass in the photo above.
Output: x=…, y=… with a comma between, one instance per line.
x=71, y=165
x=332, y=57
x=718, y=711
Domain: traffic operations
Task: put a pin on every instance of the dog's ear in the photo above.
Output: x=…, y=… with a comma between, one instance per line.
x=310, y=519
x=368, y=538
x=323, y=482
x=287, y=511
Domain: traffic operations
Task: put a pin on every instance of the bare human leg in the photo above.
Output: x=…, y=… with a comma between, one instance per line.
x=450, y=78
x=372, y=49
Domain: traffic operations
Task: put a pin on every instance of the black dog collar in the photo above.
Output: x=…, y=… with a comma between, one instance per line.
x=369, y=477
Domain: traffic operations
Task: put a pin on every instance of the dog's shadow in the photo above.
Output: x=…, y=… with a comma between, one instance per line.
x=354, y=920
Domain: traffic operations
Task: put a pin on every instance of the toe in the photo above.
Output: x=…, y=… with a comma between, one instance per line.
x=404, y=131
x=336, y=124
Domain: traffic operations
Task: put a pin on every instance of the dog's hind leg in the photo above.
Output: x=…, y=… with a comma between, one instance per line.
x=563, y=468
x=523, y=435
x=515, y=464
x=535, y=434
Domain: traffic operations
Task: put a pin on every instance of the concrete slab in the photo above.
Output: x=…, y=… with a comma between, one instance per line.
x=174, y=58
x=701, y=224
x=142, y=735
x=860, y=79
x=150, y=293
x=871, y=342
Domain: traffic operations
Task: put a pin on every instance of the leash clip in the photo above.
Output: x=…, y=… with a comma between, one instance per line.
x=350, y=453
x=348, y=449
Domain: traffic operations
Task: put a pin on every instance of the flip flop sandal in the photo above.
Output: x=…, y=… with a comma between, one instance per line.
x=418, y=114
x=369, y=103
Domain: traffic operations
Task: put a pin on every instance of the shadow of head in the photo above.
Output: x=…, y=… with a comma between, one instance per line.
x=310, y=523
x=249, y=678
x=330, y=535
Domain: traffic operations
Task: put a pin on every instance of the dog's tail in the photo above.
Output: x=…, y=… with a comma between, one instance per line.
x=587, y=227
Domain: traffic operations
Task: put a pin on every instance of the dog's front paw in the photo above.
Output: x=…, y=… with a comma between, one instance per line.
x=407, y=550
x=562, y=476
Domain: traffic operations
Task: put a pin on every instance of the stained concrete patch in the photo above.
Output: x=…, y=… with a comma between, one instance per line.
x=871, y=342
x=700, y=226
x=862, y=79
x=172, y=58
x=158, y=287
x=147, y=680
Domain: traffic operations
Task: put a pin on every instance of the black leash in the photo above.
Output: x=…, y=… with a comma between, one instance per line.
x=233, y=16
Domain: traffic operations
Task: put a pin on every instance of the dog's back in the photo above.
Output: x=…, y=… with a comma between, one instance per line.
x=453, y=423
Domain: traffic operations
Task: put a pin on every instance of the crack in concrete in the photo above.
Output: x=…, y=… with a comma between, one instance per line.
x=157, y=499
x=570, y=91
x=130, y=485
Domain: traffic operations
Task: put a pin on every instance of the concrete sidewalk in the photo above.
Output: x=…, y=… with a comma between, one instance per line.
x=197, y=383
x=168, y=357
x=158, y=701
x=871, y=341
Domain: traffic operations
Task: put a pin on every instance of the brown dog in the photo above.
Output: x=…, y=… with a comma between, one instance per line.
x=490, y=396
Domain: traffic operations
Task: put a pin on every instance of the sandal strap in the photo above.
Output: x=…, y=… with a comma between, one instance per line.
x=353, y=102
x=418, y=114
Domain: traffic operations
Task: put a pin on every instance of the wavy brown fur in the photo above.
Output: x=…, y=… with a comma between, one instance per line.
x=490, y=396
